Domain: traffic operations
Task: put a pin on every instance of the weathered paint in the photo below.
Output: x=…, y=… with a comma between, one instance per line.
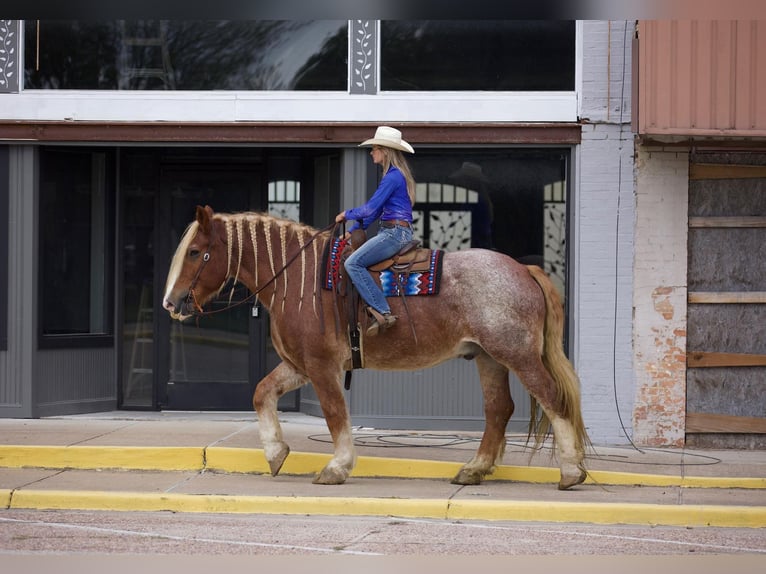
x=660, y=297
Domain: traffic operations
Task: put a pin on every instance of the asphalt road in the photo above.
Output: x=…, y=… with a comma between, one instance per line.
x=33, y=532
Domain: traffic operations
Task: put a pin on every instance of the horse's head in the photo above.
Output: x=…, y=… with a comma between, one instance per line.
x=198, y=269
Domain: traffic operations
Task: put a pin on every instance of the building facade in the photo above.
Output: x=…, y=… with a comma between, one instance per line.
x=699, y=273
x=112, y=132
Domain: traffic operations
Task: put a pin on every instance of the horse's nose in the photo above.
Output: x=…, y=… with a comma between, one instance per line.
x=168, y=305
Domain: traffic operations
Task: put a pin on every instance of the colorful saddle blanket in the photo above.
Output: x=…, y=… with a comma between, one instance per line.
x=394, y=281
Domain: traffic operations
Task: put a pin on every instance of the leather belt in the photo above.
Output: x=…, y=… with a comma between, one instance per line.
x=394, y=222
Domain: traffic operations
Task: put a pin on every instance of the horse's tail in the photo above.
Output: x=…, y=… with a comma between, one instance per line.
x=560, y=368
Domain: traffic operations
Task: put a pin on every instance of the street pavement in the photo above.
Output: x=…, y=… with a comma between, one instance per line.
x=213, y=463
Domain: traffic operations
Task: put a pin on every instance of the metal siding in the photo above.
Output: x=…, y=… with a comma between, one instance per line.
x=69, y=380
x=449, y=393
x=18, y=368
x=445, y=397
x=702, y=77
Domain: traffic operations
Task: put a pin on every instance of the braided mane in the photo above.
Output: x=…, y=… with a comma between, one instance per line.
x=273, y=230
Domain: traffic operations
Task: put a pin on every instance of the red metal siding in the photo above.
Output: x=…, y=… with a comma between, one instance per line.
x=702, y=77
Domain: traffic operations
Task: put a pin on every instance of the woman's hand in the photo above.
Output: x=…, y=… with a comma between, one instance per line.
x=340, y=217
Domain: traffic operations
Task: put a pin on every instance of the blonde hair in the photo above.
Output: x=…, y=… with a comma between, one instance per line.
x=396, y=158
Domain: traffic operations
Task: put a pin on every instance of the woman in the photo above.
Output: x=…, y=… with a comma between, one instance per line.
x=392, y=204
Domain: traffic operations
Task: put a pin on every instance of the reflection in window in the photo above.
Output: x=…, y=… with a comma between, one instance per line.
x=448, y=229
x=508, y=200
x=74, y=254
x=285, y=199
x=492, y=55
x=186, y=55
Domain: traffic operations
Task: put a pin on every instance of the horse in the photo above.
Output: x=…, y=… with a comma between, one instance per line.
x=502, y=314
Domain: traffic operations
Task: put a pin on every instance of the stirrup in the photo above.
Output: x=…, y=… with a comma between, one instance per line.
x=379, y=322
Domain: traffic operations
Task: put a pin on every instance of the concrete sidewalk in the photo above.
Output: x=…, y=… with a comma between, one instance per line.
x=212, y=462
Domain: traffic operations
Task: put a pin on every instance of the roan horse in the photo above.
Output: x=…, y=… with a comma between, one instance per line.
x=490, y=308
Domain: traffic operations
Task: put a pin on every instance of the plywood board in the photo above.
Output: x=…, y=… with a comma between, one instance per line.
x=727, y=297
x=702, y=359
x=725, y=171
x=731, y=222
x=711, y=423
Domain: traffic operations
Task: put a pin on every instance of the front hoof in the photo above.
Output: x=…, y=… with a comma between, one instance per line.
x=468, y=477
x=331, y=476
x=277, y=460
x=572, y=479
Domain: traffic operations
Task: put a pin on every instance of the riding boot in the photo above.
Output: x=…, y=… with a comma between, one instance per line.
x=380, y=322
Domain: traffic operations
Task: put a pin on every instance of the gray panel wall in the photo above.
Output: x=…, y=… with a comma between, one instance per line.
x=70, y=381
x=16, y=376
x=36, y=382
x=445, y=397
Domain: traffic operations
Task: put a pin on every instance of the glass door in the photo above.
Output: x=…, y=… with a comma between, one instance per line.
x=210, y=363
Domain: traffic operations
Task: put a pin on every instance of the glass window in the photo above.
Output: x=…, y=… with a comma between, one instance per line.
x=186, y=55
x=285, y=199
x=511, y=200
x=75, y=247
x=493, y=55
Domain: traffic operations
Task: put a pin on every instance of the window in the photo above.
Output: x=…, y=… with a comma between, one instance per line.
x=509, y=200
x=493, y=55
x=75, y=247
x=186, y=55
x=285, y=199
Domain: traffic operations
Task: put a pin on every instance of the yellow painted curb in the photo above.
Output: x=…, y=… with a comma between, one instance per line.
x=455, y=509
x=613, y=478
x=609, y=513
x=249, y=460
x=140, y=501
x=5, y=497
x=100, y=457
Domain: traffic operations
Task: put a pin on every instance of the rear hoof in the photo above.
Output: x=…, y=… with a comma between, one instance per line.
x=468, y=477
x=276, y=461
x=331, y=476
x=572, y=479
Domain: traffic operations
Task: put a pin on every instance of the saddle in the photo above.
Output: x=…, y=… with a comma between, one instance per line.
x=414, y=270
x=410, y=258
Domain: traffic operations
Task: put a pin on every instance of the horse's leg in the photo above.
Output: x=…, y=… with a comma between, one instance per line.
x=541, y=385
x=498, y=408
x=333, y=403
x=278, y=382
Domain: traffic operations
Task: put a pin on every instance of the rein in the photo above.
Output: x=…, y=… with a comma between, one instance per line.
x=191, y=298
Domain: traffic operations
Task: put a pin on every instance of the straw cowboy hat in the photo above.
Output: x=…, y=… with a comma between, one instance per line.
x=388, y=137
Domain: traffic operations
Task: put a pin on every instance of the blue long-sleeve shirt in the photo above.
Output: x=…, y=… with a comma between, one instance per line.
x=390, y=201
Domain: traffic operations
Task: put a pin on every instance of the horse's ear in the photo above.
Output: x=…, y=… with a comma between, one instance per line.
x=205, y=218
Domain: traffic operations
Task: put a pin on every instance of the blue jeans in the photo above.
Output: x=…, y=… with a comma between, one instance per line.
x=385, y=244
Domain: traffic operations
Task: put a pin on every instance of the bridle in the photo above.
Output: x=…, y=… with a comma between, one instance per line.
x=191, y=299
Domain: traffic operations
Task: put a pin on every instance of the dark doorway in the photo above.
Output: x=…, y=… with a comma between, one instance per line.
x=213, y=363
x=209, y=360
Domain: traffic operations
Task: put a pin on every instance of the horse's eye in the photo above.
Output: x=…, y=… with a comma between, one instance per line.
x=193, y=253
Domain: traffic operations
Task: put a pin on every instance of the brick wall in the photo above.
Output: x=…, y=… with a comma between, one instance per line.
x=660, y=295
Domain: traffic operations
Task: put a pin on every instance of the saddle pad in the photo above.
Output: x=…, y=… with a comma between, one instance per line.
x=332, y=262
x=393, y=282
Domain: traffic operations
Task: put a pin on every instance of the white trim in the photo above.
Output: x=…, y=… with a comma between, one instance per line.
x=218, y=106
